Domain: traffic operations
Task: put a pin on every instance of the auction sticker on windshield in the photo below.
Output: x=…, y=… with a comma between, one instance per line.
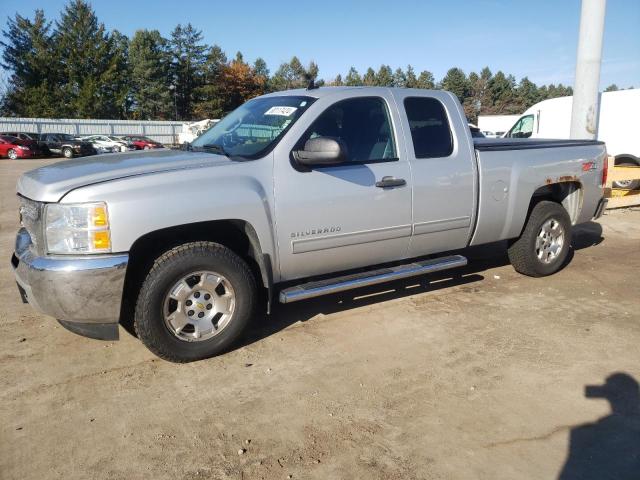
x=283, y=111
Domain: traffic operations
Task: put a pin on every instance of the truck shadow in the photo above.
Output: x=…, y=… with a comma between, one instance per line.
x=481, y=259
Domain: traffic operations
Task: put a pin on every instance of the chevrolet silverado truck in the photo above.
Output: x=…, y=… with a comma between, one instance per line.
x=291, y=196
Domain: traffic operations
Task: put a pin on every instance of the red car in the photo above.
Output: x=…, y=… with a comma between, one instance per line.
x=141, y=143
x=14, y=148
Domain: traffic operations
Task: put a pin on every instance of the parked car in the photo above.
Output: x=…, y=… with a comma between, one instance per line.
x=33, y=141
x=142, y=143
x=107, y=143
x=616, y=127
x=14, y=148
x=293, y=195
x=66, y=145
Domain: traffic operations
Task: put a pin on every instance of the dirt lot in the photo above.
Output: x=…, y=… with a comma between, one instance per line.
x=481, y=376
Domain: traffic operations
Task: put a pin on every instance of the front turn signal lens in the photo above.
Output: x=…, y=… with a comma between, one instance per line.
x=101, y=240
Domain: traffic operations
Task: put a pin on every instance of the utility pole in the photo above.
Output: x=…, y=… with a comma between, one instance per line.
x=584, y=115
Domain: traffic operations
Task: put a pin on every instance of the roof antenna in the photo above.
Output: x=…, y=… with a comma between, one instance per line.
x=311, y=84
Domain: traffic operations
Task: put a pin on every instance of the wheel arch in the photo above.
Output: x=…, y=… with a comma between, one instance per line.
x=237, y=235
x=567, y=193
x=622, y=157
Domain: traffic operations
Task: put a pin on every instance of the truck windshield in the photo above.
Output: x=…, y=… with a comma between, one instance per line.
x=253, y=129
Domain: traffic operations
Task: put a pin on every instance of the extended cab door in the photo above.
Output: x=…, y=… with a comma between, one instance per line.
x=442, y=157
x=334, y=218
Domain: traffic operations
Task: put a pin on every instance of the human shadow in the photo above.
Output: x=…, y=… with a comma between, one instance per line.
x=609, y=448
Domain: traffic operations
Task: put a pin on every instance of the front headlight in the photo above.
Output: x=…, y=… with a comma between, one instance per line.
x=77, y=228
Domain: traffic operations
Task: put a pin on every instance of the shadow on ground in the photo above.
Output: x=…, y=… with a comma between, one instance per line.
x=610, y=447
x=481, y=259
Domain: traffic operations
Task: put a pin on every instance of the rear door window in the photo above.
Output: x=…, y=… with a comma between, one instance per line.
x=429, y=126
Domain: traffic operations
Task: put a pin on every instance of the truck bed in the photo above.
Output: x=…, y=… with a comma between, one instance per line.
x=512, y=171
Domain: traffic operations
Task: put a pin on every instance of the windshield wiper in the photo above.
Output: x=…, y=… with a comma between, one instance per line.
x=218, y=148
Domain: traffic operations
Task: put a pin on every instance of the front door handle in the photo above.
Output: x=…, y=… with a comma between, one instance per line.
x=389, y=182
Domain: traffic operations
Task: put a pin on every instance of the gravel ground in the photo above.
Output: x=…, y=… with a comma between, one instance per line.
x=481, y=375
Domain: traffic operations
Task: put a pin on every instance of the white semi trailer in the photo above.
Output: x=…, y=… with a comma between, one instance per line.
x=617, y=125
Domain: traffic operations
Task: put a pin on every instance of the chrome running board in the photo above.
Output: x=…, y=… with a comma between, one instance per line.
x=364, y=279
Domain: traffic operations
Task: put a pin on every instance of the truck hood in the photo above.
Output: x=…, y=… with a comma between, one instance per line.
x=51, y=183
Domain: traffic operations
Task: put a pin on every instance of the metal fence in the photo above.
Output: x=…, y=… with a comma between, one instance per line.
x=163, y=132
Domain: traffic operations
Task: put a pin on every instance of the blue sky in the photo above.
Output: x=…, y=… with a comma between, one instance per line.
x=534, y=38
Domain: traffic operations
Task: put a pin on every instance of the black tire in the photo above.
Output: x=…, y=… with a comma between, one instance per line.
x=12, y=154
x=169, y=268
x=67, y=152
x=522, y=252
x=628, y=184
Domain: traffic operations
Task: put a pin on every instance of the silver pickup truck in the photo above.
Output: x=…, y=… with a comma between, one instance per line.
x=293, y=195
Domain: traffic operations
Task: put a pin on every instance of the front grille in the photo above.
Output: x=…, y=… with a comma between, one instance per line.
x=31, y=219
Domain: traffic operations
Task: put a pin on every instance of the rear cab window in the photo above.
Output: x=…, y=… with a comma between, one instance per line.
x=429, y=126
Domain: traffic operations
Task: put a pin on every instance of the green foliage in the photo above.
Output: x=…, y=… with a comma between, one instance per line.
x=74, y=68
x=612, y=88
x=188, y=58
x=384, y=76
x=457, y=83
x=88, y=64
x=150, y=66
x=353, y=78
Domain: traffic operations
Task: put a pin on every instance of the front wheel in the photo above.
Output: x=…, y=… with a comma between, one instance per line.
x=195, y=302
x=12, y=154
x=543, y=247
x=67, y=152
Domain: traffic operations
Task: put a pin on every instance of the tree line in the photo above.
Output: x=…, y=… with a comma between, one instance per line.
x=74, y=68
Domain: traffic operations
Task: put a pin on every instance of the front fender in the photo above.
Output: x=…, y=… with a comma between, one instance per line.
x=146, y=203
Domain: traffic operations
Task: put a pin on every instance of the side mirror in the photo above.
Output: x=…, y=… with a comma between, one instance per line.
x=322, y=151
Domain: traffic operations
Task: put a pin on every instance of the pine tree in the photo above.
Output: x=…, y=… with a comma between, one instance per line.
x=150, y=61
x=501, y=92
x=88, y=64
x=293, y=75
x=188, y=58
x=353, y=78
x=210, y=99
x=455, y=81
x=411, y=79
x=384, y=76
x=399, y=78
x=261, y=71
x=369, y=78
x=612, y=88
x=32, y=89
x=337, y=82
x=426, y=80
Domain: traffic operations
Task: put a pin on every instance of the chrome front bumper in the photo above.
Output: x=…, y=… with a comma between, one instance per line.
x=83, y=292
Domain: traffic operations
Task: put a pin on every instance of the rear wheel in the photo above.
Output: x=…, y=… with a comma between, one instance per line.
x=12, y=154
x=195, y=302
x=67, y=152
x=543, y=247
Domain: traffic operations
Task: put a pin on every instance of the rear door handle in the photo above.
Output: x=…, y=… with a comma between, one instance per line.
x=389, y=182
